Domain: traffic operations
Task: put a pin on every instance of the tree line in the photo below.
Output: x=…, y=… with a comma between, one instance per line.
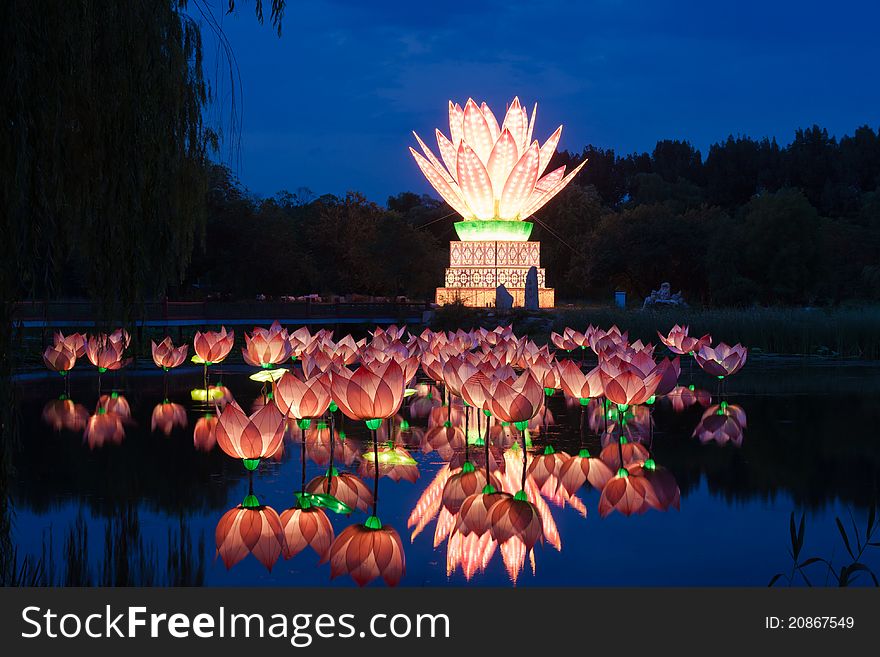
x=751, y=223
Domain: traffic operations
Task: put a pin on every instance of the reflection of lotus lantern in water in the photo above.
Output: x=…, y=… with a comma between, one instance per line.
x=307, y=527
x=368, y=551
x=627, y=493
x=581, y=469
x=204, y=436
x=466, y=482
x=395, y=462
x=683, y=397
x=493, y=173
x=722, y=423
x=320, y=445
x=250, y=529
x=63, y=413
x=167, y=416
x=345, y=487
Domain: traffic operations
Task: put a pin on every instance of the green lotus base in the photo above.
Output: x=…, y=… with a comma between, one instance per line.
x=493, y=231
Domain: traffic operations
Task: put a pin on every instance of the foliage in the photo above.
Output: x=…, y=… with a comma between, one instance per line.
x=846, y=574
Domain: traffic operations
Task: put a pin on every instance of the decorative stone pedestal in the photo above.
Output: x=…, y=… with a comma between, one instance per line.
x=477, y=268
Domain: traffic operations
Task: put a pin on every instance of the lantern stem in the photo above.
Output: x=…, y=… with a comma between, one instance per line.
x=332, y=449
x=486, y=445
x=302, y=435
x=375, y=471
x=525, y=458
x=466, y=454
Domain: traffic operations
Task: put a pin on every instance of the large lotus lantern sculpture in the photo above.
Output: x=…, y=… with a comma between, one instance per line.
x=493, y=176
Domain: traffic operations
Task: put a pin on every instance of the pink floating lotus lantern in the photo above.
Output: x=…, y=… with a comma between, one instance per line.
x=371, y=393
x=250, y=438
x=105, y=353
x=60, y=357
x=76, y=341
x=679, y=342
x=166, y=355
x=266, y=348
x=517, y=401
x=213, y=347
x=722, y=360
x=302, y=399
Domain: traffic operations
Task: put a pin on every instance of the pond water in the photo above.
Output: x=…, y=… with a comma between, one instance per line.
x=142, y=506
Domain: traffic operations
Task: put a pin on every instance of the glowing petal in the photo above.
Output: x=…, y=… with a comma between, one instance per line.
x=491, y=121
x=549, y=181
x=476, y=131
x=456, y=121
x=532, y=125
x=515, y=123
x=536, y=205
x=447, y=152
x=548, y=149
x=475, y=184
x=520, y=184
x=433, y=159
x=443, y=188
x=501, y=162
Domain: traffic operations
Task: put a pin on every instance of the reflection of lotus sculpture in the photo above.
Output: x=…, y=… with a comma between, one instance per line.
x=204, y=436
x=307, y=527
x=583, y=468
x=625, y=493
x=345, y=487
x=492, y=174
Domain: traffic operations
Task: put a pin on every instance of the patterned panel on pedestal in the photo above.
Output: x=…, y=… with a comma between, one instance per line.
x=507, y=254
x=486, y=277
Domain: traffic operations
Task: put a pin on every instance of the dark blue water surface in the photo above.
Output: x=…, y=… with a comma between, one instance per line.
x=143, y=508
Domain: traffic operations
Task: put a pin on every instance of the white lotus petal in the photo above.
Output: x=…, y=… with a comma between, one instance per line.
x=548, y=149
x=450, y=194
x=502, y=160
x=491, y=121
x=476, y=131
x=520, y=184
x=476, y=188
x=433, y=159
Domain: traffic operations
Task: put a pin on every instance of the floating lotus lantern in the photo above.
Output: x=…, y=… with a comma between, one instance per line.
x=59, y=357
x=250, y=438
x=517, y=401
x=166, y=355
x=266, y=348
x=679, y=342
x=722, y=360
x=105, y=353
x=491, y=174
x=76, y=341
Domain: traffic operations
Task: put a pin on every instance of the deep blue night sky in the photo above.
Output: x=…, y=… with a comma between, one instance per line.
x=330, y=105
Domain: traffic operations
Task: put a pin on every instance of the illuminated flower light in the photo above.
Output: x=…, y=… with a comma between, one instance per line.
x=121, y=337
x=371, y=392
x=299, y=341
x=581, y=469
x=722, y=360
x=204, y=436
x=306, y=527
x=167, y=416
x=266, y=347
x=626, y=493
x=546, y=371
x=722, y=423
x=60, y=357
x=104, y=353
x=518, y=401
x=213, y=347
x=627, y=385
x=575, y=383
x=600, y=340
x=63, y=413
x=492, y=171
x=472, y=553
x=250, y=529
x=302, y=399
x=166, y=356
x=217, y=395
x=75, y=341
x=368, y=552
x=250, y=438
x=680, y=343
x=345, y=487
x=569, y=340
